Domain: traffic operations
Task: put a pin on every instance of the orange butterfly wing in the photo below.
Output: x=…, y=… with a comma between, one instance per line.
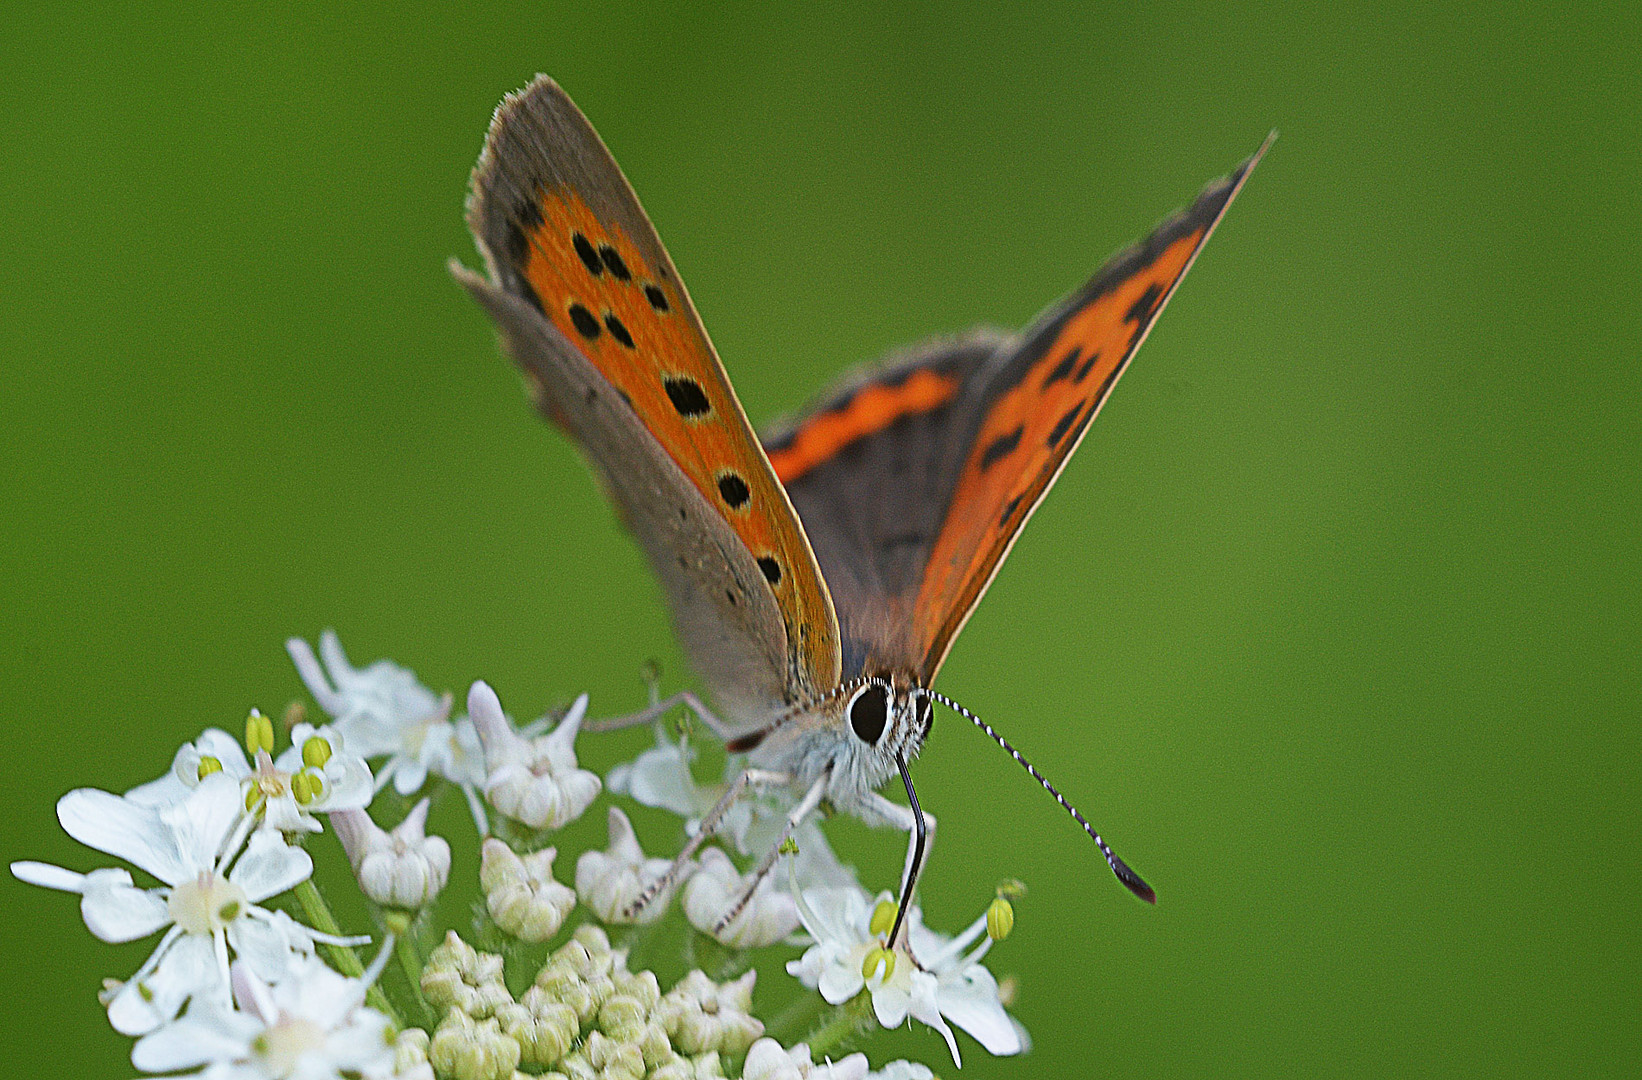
x=564, y=231
x=1040, y=404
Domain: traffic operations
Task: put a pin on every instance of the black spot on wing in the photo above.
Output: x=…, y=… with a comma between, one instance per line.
x=584, y=251
x=771, y=568
x=657, y=298
x=1063, y=425
x=1083, y=369
x=1062, y=370
x=617, y=330
x=1001, y=447
x=525, y=218
x=687, y=396
x=1144, y=305
x=613, y=261
x=733, y=489
x=585, y=322
x=1009, y=509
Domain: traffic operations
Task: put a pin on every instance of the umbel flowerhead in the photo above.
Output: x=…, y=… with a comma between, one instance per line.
x=235, y=988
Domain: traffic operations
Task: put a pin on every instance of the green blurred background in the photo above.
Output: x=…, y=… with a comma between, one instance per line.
x=1331, y=627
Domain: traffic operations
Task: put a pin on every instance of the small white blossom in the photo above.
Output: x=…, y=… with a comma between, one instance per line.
x=384, y=710
x=609, y=881
x=521, y=893
x=215, y=746
x=768, y=1061
x=942, y=982
x=209, y=908
x=337, y=780
x=374, y=706
x=312, y=1025
x=768, y=916
x=315, y=775
x=405, y=868
x=533, y=781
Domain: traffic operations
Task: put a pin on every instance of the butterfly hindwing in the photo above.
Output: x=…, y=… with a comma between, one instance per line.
x=1039, y=401
x=602, y=325
x=870, y=469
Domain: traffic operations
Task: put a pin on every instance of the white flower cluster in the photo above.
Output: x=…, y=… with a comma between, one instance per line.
x=234, y=987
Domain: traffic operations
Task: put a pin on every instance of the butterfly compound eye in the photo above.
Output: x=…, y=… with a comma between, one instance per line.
x=869, y=711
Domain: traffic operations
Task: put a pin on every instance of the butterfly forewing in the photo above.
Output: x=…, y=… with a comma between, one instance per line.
x=1038, y=403
x=563, y=231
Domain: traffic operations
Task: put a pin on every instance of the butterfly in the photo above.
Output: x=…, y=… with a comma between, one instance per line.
x=816, y=579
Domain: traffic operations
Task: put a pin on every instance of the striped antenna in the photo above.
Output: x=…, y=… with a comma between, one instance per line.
x=1129, y=878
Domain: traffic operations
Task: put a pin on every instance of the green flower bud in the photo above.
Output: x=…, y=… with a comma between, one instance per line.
x=465, y=1049
x=614, y=1060
x=459, y=977
x=1000, y=919
x=622, y=1018
x=544, y=1029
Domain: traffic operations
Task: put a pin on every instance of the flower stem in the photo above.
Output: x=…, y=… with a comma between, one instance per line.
x=838, y=1031
x=407, y=931
x=346, y=960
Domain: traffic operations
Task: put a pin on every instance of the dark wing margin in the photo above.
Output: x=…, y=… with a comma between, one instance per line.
x=1038, y=403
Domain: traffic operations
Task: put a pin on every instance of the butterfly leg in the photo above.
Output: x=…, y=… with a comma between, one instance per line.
x=709, y=824
x=662, y=708
x=795, y=817
x=878, y=810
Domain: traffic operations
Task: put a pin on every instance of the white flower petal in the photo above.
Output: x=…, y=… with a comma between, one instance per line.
x=262, y=945
x=123, y=829
x=270, y=866
x=319, y=993
x=659, y=777
x=970, y=1000
x=409, y=776
x=162, y=792
x=201, y=1037
x=312, y=675
x=116, y=911
x=200, y=824
x=922, y=1006
x=839, y=982
x=48, y=876
x=187, y=968
x=902, y=1070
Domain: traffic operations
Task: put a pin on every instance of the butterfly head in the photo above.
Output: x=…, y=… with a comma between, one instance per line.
x=889, y=714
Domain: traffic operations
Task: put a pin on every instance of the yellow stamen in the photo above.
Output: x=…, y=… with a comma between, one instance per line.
x=207, y=766
x=879, y=961
x=883, y=917
x=259, y=733
x=306, y=786
x=316, y=752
